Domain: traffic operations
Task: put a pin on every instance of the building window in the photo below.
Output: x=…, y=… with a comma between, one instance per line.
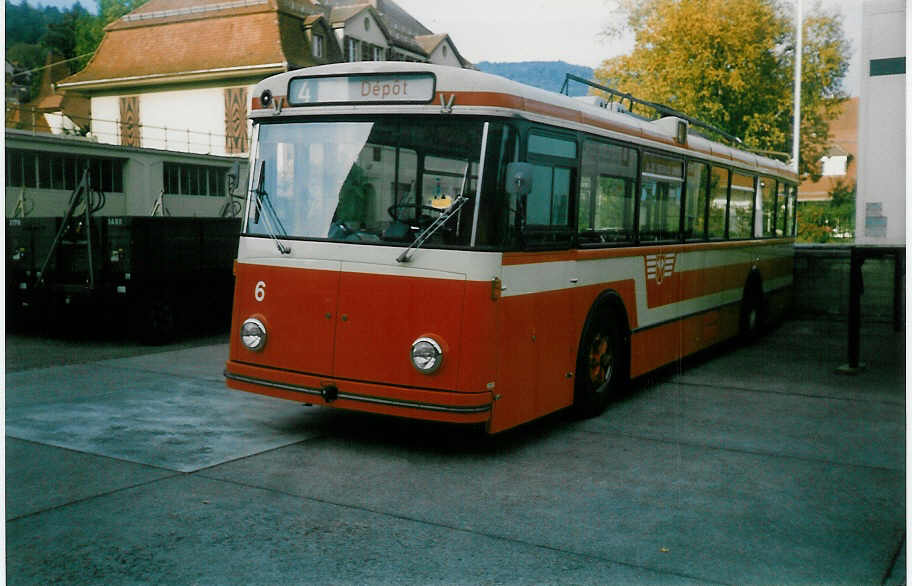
x=444, y=51
x=378, y=54
x=62, y=171
x=317, y=45
x=351, y=50
x=367, y=23
x=180, y=179
x=835, y=165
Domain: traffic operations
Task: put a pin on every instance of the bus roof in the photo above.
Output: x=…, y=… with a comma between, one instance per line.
x=457, y=91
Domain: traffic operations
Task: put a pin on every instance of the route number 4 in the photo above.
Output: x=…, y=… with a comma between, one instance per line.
x=259, y=292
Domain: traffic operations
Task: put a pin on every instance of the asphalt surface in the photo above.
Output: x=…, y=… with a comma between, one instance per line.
x=747, y=465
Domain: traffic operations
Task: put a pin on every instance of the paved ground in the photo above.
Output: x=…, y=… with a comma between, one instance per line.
x=755, y=465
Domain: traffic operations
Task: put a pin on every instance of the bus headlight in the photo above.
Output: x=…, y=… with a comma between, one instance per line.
x=253, y=334
x=427, y=356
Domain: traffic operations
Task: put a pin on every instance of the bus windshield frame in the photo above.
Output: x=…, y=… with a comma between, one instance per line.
x=378, y=180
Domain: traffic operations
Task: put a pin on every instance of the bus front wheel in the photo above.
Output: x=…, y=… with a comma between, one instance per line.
x=600, y=364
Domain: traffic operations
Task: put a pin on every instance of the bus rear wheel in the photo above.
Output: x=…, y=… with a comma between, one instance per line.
x=753, y=316
x=600, y=371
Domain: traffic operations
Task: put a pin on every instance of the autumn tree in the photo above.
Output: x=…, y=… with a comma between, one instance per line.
x=731, y=63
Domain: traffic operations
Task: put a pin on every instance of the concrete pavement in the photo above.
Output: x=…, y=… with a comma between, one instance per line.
x=754, y=465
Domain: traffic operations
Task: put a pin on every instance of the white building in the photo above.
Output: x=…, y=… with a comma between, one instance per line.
x=880, y=210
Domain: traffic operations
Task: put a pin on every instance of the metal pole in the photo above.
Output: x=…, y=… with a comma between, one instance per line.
x=796, y=126
x=899, y=272
x=856, y=288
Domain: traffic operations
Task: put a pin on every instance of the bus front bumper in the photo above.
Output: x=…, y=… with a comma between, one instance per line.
x=415, y=403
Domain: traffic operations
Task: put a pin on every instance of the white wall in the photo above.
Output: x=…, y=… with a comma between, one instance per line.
x=167, y=116
x=186, y=120
x=354, y=28
x=438, y=57
x=880, y=206
x=105, y=116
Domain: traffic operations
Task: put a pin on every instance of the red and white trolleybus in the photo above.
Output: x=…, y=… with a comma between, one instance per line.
x=444, y=244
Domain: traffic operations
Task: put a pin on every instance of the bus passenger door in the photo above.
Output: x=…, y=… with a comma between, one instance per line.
x=538, y=355
x=536, y=352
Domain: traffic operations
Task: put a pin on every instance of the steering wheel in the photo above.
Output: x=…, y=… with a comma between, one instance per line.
x=393, y=211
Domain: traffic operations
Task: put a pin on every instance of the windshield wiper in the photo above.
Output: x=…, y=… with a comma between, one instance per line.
x=263, y=207
x=429, y=231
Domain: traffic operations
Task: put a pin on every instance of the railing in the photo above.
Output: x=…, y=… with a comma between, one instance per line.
x=30, y=119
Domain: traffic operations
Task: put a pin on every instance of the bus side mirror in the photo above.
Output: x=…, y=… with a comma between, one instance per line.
x=519, y=178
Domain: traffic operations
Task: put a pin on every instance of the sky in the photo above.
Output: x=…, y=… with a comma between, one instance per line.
x=566, y=30
x=551, y=30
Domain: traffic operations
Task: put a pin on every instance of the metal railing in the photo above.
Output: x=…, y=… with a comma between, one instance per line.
x=30, y=119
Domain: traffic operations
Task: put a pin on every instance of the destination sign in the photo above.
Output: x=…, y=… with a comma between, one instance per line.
x=404, y=88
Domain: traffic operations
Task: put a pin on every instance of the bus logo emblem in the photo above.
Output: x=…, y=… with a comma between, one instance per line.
x=660, y=266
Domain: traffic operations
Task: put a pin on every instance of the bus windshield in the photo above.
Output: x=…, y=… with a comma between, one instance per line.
x=366, y=180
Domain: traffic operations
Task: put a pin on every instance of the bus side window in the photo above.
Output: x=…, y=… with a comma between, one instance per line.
x=606, y=199
x=661, y=182
x=741, y=206
x=496, y=218
x=793, y=205
x=695, y=202
x=766, y=214
x=782, y=220
x=718, y=203
x=548, y=204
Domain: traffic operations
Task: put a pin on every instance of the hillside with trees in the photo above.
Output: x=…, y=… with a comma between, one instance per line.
x=71, y=34
x=547, y=75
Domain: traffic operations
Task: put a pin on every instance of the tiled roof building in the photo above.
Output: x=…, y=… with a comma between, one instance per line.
x=176, y=73
x=839, y=162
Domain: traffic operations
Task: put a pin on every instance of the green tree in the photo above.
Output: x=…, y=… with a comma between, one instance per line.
x=60, y=37
x=25, y=24
x=731, y=63
x=27, y=57
x=830, y=221
x=88, y=32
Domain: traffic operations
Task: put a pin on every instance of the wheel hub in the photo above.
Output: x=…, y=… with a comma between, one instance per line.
x=601, y=360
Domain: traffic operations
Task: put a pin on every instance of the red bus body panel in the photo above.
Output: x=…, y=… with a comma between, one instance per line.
x=508, y=359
